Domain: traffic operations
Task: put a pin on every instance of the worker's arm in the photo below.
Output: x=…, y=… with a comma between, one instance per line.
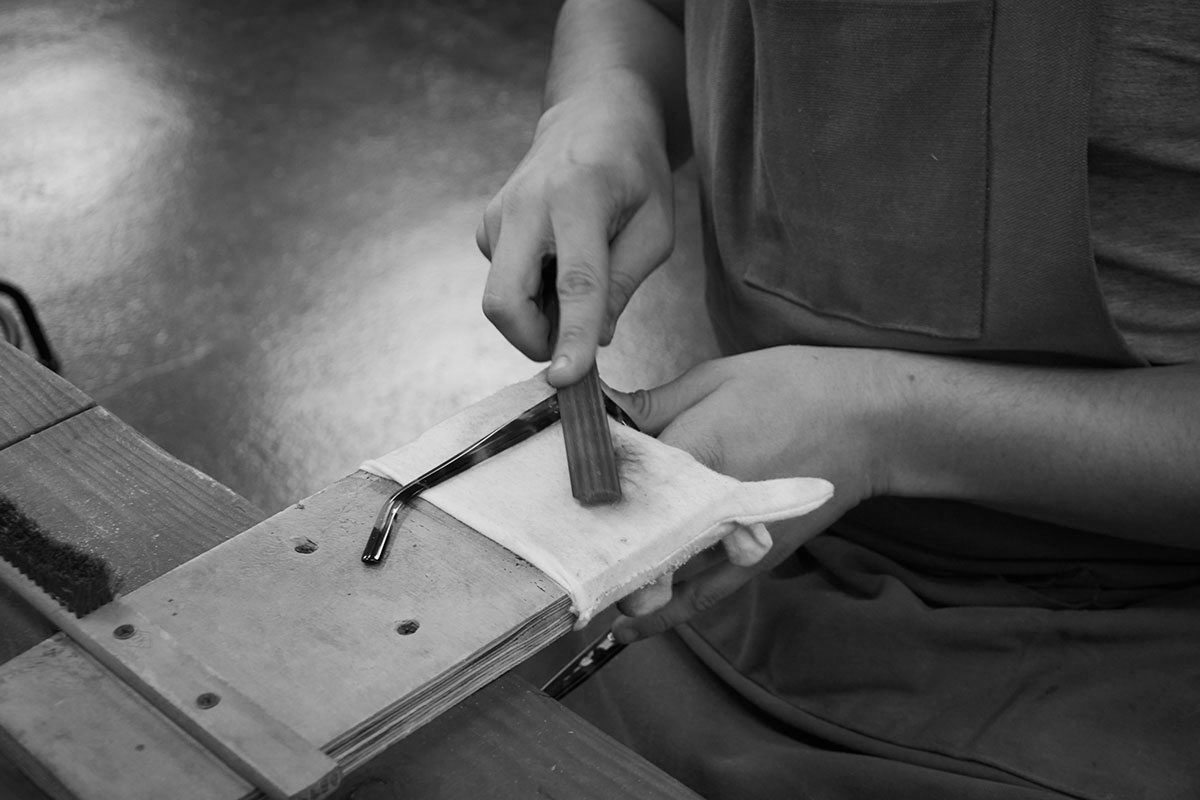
x=1114, y=451
x=595, y=188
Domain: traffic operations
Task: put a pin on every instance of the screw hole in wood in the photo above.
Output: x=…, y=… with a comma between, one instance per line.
x=207, y=700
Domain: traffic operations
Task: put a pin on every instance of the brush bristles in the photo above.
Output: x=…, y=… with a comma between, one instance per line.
x=80, y=582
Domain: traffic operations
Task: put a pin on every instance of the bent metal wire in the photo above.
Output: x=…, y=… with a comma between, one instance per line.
x=537, y=418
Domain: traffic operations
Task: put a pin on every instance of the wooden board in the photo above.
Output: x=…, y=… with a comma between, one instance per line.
x=97, y=482
x=41, y=468
x=507, y=741
x=111, y=741
x=568, y=758
x=31, y=397
x=313, y=636
x=321, y=618
x=99, y=485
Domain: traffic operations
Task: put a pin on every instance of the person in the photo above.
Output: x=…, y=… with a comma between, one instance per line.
x=953, y=260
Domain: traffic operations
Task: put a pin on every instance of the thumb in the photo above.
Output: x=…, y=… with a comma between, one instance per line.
x=663, y=411
x=655, y=409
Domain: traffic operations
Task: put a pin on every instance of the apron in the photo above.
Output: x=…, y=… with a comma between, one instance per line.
x=913, y=175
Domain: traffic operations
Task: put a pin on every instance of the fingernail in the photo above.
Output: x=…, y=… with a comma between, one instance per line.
x=762, y=535
x=559, y=364
x=741, y=548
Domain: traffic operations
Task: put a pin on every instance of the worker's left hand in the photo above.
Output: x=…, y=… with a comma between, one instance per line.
x=783, y=412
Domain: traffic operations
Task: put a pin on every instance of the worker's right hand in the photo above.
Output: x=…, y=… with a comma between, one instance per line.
x=594, y=190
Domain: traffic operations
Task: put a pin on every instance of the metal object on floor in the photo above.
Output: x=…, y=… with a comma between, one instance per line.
x=12, y=331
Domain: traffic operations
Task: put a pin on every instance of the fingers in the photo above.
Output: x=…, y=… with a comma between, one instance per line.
x=595, y=276
x=655, y=409
x=576, y=230
x=687, y=600
x=580, y=225
x=649, y=598
x=488, y=232
x=708, y=580
x=645, y=242
x=510, y=295
x=747, y=544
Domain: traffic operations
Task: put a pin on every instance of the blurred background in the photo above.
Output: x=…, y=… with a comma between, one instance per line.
x=248, y=225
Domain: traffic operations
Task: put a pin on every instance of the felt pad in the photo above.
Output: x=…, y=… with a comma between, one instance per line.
x=672, y=506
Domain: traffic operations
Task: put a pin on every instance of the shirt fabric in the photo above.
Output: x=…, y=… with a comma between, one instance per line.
x=1144, y=173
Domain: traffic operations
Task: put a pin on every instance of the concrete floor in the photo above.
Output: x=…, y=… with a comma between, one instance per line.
x=249, y=226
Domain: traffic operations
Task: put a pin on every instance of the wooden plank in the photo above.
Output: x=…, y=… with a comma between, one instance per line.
x=186, y=691
x=104, y=486
x=101, y=486
x=390, y=646
x=566, y=757
x=480, y=611
x=465, y=591
x=118, y=739
x=505, y=741
x=32, y=397
x=15, y=783
x=97, y=483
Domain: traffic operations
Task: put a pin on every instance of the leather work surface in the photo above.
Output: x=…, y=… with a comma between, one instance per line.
x=672, y=506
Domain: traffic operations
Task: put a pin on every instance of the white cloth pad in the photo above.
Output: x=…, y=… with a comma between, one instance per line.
x=672, y=506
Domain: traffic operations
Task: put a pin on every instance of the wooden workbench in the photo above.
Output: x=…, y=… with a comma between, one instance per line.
x=77, y=469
